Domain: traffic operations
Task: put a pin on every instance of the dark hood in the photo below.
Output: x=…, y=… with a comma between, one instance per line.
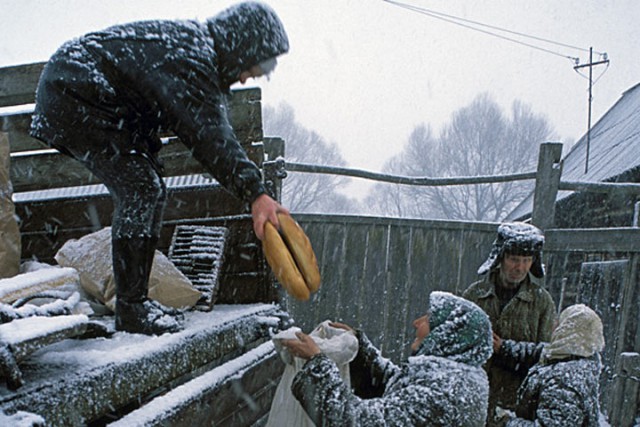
x=245, y=35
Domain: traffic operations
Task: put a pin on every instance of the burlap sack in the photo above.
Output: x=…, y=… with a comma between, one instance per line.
x=91, y=256
x=10, y=245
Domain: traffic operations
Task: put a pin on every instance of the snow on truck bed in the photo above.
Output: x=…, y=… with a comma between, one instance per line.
x=77, y=380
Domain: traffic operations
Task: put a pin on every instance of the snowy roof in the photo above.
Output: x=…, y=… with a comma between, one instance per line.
x=614, y=148
x=99, y=189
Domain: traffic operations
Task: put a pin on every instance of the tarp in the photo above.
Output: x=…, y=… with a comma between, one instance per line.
x=91, y=256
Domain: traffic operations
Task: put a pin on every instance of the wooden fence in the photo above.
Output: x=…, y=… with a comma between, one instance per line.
x=377, y=274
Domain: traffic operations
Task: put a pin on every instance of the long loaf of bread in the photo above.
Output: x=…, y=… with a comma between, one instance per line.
x=282, y=264
x=301, y=250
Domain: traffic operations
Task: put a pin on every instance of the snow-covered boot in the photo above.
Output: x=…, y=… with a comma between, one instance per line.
x=147, y=317
x=132, y=260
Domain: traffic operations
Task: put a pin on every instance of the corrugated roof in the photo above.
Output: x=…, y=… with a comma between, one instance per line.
x=614, y=148
x=91, y=190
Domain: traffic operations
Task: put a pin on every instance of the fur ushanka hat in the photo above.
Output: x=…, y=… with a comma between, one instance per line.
x=517, y=238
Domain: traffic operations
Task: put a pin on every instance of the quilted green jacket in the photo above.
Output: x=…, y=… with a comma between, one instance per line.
x=530, y=316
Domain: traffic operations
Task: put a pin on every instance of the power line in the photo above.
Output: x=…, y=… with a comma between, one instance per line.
x=458, y=21
x=577, y=66
x=591, y=64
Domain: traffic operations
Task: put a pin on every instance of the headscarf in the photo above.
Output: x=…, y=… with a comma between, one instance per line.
x=459, y=330
x=579, y=333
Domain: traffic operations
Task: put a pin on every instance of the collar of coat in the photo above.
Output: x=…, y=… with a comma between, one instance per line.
x=526, y=292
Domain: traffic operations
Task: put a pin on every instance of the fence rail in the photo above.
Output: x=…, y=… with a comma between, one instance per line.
x=597, y=187
x=377, y=273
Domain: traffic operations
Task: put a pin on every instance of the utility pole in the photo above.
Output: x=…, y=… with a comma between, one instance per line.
x=591, y=64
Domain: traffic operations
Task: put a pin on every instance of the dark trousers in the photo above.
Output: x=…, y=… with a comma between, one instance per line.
x=77, y=112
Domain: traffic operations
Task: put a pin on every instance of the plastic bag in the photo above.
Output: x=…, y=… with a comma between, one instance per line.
x=339, y=345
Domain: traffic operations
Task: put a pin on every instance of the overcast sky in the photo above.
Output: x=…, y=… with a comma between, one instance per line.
x=364, y=73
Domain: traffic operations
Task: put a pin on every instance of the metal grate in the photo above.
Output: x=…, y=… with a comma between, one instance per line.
x=197, y=251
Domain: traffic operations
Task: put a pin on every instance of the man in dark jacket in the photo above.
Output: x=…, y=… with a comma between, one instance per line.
x=442, y=384
x=102, y=99
x=513, y=296
x=562, y=389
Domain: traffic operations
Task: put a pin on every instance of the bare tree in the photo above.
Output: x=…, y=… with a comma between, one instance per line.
x=304, y=192
x=479, y=140
x=417, y=159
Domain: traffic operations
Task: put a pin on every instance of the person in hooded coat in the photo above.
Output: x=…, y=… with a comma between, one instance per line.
x=512, y=294
x=441, y=384
x=562, y=389
x=103, y=98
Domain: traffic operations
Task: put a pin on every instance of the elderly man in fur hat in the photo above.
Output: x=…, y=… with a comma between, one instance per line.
x=442, y=383
x=512, y=294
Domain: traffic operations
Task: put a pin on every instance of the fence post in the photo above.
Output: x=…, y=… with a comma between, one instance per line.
x=274, y=171
x=547, y=181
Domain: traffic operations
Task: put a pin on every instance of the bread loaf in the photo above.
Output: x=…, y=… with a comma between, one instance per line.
x=282, y=264
x=301, y=250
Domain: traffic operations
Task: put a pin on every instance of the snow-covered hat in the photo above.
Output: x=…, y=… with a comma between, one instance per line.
x=460, y=330
x=579, y=333
x=517, y=238
x=247, y=34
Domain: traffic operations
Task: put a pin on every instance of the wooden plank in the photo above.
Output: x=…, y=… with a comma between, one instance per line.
x=559, y=281
x=87, y=392
x=375, y=279
x=624, y=400
x=331, y=268
x=244, y=109
x=602, y=286
x=46, y=226
x=593, y=240
x=45, y=169
x=95, y=211
x=419, y=286
x=248, y=288
x=353, y=287
x=547, y=181
x=473, y=249
x=21, y=141
x=396, y=330
x=217, y=397
x=18, y=83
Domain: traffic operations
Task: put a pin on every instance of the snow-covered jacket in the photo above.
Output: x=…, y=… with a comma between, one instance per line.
x=529, y=317
x=562, y=388
x=442, y=385
x=561, y=393
x=170, y=75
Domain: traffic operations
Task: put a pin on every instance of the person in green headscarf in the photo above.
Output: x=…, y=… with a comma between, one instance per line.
x=441, y=384
x=562, y=388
